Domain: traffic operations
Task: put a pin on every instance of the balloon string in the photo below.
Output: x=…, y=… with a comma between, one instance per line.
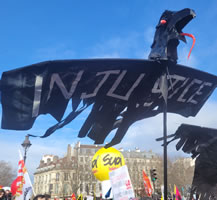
x=189, y=35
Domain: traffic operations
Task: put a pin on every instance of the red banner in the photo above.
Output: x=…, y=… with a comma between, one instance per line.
x=147, y=184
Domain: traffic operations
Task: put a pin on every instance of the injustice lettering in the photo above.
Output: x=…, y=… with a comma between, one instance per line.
x=181, y=89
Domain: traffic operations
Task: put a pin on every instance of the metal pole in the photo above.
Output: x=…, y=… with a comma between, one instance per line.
x=24, y=157
x=165, y=149
x=26, y=144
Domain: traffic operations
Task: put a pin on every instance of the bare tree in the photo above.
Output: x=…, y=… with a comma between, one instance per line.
x=7, y=173
x=180, y=174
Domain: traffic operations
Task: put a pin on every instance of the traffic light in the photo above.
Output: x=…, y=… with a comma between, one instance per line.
x=153, y=175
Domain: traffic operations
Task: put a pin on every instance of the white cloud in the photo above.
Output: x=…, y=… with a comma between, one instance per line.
x=143, y=133
x=183, y=57
x=34, y=154
x=119, y=47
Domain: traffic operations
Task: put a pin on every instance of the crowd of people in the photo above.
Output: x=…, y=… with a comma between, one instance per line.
x=5, y=194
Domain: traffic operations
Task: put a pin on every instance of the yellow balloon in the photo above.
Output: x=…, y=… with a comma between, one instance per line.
x=106, y=160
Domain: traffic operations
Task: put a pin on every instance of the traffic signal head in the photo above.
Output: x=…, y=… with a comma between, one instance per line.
x=153, y=174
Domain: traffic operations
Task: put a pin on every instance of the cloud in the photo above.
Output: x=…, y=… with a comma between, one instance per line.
x=183, y=57
x=143, y=133
x=34, y=154
x=119, y=47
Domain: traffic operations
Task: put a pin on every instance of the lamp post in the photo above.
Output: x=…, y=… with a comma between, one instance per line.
x=26, y=144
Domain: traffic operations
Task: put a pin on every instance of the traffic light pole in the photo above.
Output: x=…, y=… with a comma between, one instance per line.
x=153, y=177
x=154, y=187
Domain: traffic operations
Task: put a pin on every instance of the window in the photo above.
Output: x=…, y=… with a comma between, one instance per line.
x=50, y=188
x=93, y=151
x=57, y=176
x=65, y=189
x=57, y=188
x=81, y=159
x=81, y=177
x=93, y=187
x=82, y=151
x=81, y=187
x=66, y=176
x=87, y=189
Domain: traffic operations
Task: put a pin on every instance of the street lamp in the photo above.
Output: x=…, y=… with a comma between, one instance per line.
x=26, y=144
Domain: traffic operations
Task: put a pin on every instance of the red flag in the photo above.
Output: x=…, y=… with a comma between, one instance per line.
x=16, y=186
x=73, y=197
x=147, y=184
x=21, y=187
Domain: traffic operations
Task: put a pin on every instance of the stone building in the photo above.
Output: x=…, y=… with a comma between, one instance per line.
x=72, y=173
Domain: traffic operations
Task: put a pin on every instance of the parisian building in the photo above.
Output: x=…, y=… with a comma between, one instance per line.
x=60, y=177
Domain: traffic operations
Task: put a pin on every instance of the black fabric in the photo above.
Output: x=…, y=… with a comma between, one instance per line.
x=125, y=91
x=200, y=142
x=168, y=34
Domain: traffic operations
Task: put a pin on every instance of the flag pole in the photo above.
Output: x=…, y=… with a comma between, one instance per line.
x=29, y=180
x=164, y=90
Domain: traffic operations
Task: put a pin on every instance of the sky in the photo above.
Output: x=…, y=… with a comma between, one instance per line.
x=36, y=31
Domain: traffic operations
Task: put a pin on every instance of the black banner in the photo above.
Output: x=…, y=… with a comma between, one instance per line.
x=201, y=143
x=121, y=91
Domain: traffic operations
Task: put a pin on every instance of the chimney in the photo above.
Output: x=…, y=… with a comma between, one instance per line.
x=69, y=152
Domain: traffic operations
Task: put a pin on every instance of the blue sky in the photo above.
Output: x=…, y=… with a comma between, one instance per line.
x=35, y=31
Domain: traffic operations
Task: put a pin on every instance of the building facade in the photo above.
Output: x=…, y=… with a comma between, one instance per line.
x=60, y=177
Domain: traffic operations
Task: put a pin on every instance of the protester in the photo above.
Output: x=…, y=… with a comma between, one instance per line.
x=39, y=197
x=42, y=197
x=2, y=194
x=8, y=195
x=47, y=197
